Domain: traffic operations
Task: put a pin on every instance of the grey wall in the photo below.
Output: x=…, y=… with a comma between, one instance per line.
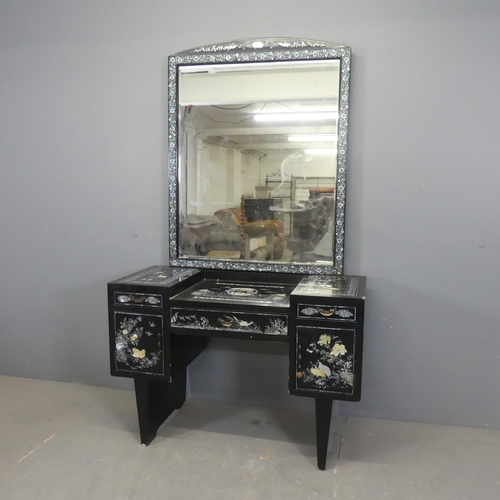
x=83, y=189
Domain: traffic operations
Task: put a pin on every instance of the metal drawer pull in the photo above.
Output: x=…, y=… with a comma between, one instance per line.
x=227, y=322
x=327, y=312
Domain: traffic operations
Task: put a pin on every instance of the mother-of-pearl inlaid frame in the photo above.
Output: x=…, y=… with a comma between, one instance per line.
x=251, y=51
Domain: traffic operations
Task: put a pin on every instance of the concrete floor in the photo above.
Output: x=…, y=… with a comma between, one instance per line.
x=69, y=441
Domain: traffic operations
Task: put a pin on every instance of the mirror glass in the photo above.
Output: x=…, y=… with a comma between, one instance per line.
x=257, y=164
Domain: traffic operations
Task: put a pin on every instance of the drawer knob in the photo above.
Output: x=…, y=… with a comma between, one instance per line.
x=327, y=312
x=227, y=322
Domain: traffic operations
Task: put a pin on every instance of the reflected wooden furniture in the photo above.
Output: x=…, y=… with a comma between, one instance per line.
x=232, y=217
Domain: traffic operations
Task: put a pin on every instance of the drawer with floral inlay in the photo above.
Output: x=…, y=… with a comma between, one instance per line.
x=331, y=312
x=138, y=299
x=241, y=322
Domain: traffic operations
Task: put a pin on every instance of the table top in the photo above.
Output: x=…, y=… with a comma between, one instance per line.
x=238, y=292
x=331, y=286
x=162, y=276
x=249, y=291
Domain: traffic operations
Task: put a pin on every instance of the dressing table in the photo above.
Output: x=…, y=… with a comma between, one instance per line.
x=249, y=260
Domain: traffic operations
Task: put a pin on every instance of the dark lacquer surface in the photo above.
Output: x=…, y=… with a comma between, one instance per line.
x=238, y=292
x=158, y=276
x=331, y=286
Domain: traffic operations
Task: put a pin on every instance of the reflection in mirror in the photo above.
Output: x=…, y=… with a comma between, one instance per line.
x=257, y=162
x=259, y=142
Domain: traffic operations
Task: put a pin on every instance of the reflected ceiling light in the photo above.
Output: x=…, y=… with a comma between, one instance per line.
x=248, y=66
x=320, y=151
x=312, y=138
x=295, y=117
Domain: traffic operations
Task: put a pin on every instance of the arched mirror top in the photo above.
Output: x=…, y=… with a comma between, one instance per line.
x=257, y=155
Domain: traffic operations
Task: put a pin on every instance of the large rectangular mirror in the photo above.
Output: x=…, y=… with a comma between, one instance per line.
x=257, y=154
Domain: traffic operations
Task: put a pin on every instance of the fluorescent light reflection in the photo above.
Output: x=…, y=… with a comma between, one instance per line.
x=312, y=138
x=320, y=151
x=295, y=117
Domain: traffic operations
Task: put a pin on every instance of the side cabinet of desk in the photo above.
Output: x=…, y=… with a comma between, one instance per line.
x=142, y=348
x=326, y=345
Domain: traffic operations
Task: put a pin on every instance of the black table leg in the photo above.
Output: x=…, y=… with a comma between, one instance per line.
x=156, y=400
x=323, y=418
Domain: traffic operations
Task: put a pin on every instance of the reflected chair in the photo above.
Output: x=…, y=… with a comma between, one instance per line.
x=271, y=230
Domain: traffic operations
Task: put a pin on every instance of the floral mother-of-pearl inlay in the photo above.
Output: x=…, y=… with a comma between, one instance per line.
x=138, y=353
x=132, y=333
x=331, y=367
x=138, y=299
x=338, y=350
x=340, y=312
x=213, y=320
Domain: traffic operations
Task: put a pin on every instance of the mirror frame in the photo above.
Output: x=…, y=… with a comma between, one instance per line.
x=259, y=50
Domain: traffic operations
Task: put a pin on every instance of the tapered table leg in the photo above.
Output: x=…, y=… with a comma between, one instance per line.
x=156, y=400
x=323, y=418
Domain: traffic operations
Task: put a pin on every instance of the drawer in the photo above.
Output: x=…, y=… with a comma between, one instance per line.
x=327, y=312
x=235, y=321
x=138, y=299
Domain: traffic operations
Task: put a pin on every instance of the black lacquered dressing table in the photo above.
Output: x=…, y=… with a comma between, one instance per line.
x=248, y=259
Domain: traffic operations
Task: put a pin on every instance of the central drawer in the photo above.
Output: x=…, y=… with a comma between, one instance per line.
x=228, y=321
